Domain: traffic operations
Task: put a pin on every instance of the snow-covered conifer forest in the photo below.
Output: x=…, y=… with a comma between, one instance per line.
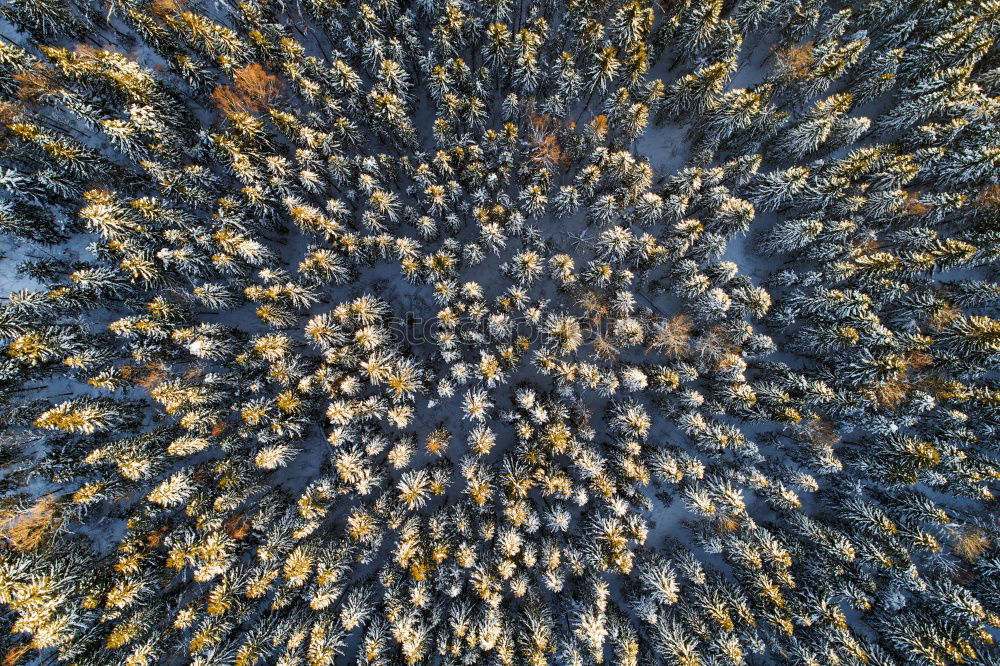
x=499, y=332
